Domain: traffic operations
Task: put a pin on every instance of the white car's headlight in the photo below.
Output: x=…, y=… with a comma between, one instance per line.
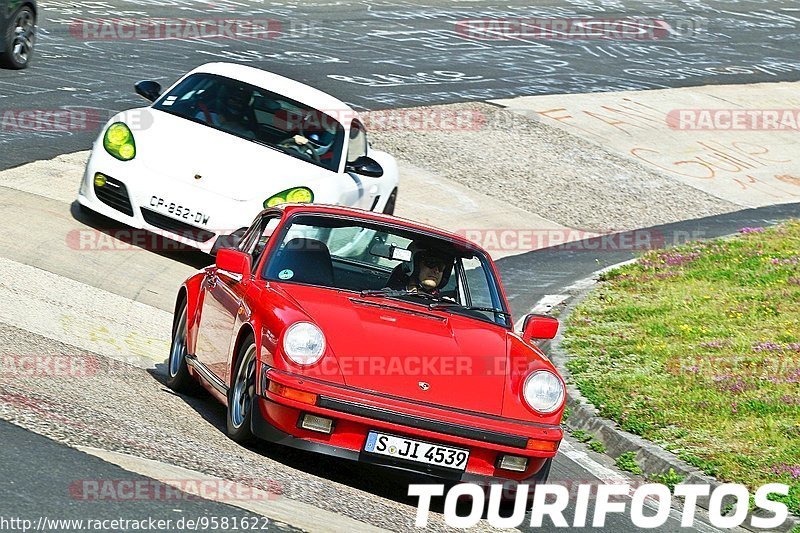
x=304, y=343
x=543, y=391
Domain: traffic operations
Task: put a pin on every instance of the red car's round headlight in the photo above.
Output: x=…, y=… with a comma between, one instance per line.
x=304, y=343
x=543, y=392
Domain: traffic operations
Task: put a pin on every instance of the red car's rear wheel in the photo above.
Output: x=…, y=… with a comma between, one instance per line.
x=178, y=377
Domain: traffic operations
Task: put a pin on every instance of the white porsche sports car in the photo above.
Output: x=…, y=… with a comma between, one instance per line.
x=222, y=144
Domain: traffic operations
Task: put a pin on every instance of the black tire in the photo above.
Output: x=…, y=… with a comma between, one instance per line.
x=241, y=394
x=178, y=377
x=13, y=57
x=390, y=203
x=542, y=475
x=540, y=478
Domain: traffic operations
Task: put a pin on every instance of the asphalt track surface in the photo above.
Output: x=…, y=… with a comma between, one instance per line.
x=389, y=53
x=378, y=55
x=44, y=476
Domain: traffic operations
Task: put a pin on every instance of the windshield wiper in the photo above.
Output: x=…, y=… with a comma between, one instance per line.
x=394, y=293
x=436, y=305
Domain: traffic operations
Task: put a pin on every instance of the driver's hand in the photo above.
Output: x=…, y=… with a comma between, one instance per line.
x=300, y=140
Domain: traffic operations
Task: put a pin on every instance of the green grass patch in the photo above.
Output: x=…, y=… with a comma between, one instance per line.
x=697, y=348
x=581, y=436
x=597, y=446
x=627, y=462
x=670, y=479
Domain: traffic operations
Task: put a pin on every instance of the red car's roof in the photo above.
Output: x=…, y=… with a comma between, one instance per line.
x=376, y=217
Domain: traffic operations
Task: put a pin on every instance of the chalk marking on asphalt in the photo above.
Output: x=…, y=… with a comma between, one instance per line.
x=77, y=314
x=280, y=509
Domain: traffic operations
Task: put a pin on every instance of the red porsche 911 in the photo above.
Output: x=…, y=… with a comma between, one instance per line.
x=370, y=338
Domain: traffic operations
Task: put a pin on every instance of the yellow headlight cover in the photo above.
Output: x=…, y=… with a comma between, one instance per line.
x=300, y=195
x=295, y=195
x=118, y=141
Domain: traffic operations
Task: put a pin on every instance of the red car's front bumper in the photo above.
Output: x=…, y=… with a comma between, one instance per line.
x=356, y=412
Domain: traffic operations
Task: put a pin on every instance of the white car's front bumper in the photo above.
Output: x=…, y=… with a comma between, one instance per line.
x=181, y=211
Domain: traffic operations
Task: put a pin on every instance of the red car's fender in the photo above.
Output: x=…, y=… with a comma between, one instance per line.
x=523, y=359
x=267, y=312
x=190, y=290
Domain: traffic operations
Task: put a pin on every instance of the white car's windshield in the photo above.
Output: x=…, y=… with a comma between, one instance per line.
x=258, y=115
x=379, y=261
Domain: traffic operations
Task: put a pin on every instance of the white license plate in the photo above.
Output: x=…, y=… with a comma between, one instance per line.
x=178, y=210
x=418, y=451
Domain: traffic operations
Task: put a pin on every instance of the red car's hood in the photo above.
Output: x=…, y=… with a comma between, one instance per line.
x=408, y=351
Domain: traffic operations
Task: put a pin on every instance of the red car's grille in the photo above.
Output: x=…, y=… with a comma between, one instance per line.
x=447, y=428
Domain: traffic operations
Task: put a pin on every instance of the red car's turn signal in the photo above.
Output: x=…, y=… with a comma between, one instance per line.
x=292, y=394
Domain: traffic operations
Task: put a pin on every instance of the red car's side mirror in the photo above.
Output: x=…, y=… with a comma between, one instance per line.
x=234, y=261
x=539, y=327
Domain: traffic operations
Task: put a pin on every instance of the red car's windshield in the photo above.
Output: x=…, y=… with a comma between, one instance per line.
x=376, y=260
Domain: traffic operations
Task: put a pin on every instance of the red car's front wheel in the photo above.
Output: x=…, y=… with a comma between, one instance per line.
x=241, y=395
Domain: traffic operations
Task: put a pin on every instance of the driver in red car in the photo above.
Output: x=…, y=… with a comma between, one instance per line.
x=428, y=273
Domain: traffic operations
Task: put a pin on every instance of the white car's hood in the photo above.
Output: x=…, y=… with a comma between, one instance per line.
x=180, y=149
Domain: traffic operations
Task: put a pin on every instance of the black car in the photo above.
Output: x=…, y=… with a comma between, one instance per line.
x=17, y=32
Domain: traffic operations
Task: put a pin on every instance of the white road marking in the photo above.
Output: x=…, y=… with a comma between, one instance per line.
x=83, y=316
x=547, y=302
x=276, y=507
x=611, y=477
x=603, y=473
x=543, y=306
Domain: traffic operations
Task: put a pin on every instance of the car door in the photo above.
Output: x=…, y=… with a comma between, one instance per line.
x=221, y=305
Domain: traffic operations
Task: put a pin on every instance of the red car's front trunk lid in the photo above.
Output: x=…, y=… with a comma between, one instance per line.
x=408, y=351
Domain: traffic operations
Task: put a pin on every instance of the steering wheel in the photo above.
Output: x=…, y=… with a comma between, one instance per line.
x=302, y=149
